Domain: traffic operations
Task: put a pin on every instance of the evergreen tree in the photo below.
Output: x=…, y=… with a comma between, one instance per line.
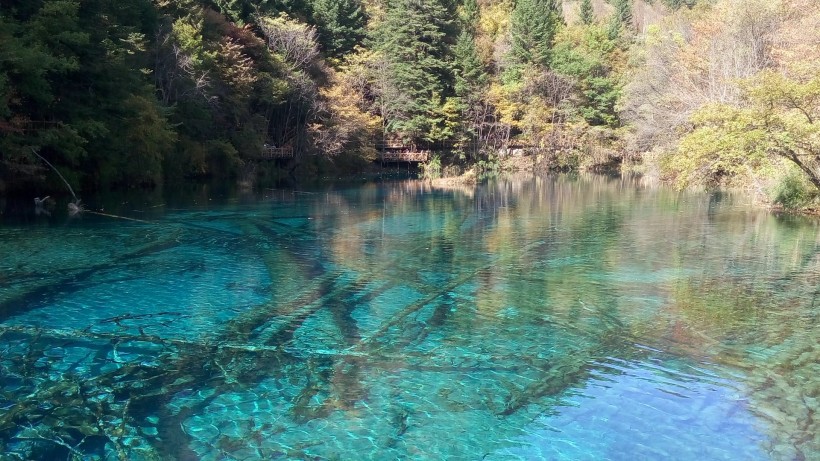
x=243, y=11
x=623, y=11
x=586, y=54
x=533, y=25
x=469, y=14
x=676, y=4
x=471, y=82
x=415, y=39
x=237, y=10
x=587, y=14
x=468, y=69
x=341, y=25
x=621, y=19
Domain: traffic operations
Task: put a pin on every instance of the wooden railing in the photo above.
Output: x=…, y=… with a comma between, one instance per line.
x=271, y=153
x=422, y=156
x=391, y=145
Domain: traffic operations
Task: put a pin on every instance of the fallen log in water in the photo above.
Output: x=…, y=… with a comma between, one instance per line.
x=73, y=280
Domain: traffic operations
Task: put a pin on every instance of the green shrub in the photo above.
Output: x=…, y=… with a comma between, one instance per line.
x=223, y=159
x=794, y=191
x=489, y=167
x=431, y=169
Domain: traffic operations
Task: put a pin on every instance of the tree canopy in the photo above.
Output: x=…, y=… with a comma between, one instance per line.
x=138, y=92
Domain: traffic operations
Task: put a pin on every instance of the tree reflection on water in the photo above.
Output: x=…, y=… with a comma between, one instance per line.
x=400, y=320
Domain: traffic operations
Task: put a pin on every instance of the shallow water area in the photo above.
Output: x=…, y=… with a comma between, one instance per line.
x=560, y=317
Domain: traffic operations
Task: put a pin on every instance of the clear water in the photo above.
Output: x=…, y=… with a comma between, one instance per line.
x=555, y=318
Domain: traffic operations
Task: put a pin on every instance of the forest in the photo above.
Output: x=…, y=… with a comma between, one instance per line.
x=139, y=93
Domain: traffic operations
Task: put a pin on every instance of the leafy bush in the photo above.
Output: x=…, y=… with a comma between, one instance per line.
x=223, y=158
x=489, y=167
x=431, y=169
x=794, y=191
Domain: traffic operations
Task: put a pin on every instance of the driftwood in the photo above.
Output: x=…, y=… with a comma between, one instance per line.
x=34, y=151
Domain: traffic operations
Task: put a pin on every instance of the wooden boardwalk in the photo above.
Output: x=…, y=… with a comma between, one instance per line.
x=395, y=152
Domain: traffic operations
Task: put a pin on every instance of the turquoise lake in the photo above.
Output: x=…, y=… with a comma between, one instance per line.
x=532, y=318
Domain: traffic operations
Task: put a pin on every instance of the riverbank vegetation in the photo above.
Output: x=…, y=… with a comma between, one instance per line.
x=135, y=93
x=728, y=95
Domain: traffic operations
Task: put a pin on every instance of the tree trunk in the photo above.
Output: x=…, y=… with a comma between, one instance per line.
x=813, y=176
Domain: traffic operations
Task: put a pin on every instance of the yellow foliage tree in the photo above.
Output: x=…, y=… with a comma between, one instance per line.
x=732, y=91
x=779, y=118
x=349, y=127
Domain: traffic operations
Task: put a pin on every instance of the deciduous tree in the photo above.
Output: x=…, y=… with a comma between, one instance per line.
x=778, y=117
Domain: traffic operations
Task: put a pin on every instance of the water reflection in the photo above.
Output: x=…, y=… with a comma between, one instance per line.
x=538, y=317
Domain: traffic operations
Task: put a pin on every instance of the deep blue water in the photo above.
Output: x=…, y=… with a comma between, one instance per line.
x=555, y=318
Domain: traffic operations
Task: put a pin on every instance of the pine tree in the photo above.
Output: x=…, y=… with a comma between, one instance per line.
x=587, y=14
x=621, y=19
x=623, y=11
x=471, y=84
x=416, y=38
x=533, y=25
x=341, y=25
x=469, y=14
x=677, y=4
x=469, y=71
x=587, y=57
